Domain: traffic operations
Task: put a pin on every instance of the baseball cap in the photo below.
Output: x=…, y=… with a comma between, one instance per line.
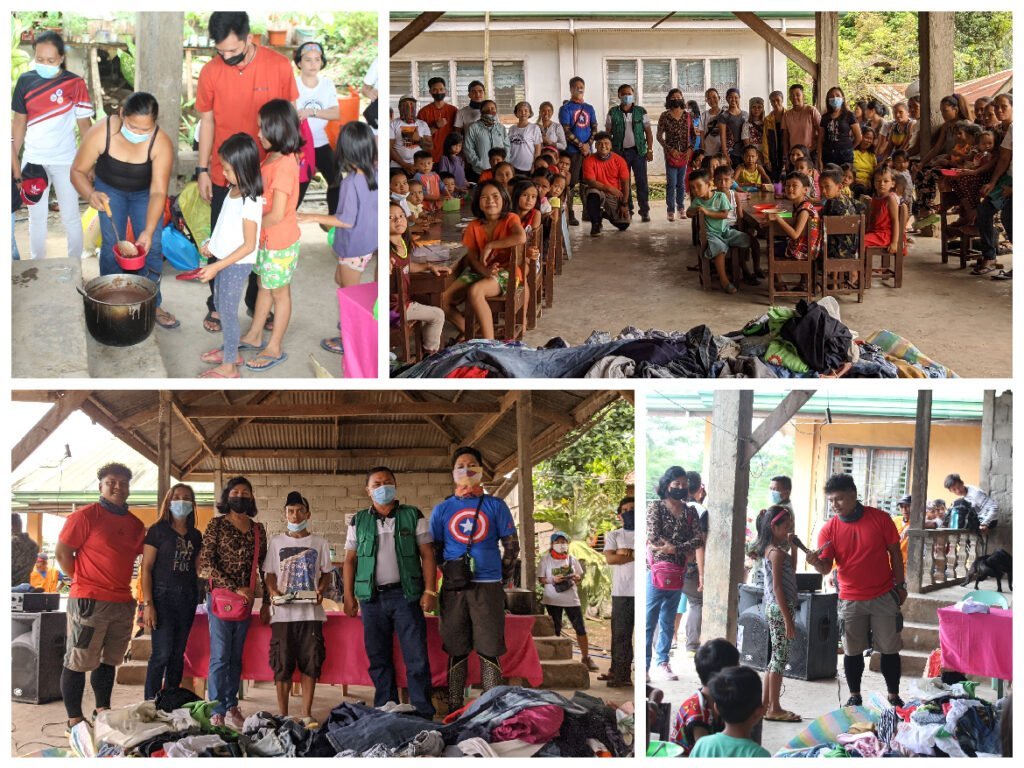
x=33, y=183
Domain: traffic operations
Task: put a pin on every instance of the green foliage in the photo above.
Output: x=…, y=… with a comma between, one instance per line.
x=20, y=60
x=350, y=42
x=983, y=44
x=126, y=59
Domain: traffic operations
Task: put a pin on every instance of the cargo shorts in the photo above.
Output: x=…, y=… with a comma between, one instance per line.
x=876, y=624
x=98, y=633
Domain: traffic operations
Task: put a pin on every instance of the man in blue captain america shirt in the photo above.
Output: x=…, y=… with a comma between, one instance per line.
x=473, y=618
x=578, y=120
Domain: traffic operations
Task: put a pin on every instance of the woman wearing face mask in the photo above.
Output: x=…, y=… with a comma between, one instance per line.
x=124, y=163
x=467, y=528
x=839, y=132
x=560, y=573
x=169, y=587
x=48, y=103
x=673, y=538
x=227, y=561
x=677, y=136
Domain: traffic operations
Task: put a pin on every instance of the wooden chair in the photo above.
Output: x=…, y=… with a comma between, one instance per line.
x=508, y=310
x=890, y=265
x=732, y=257
x=947, y=233
x=535, y=280
x=552, y=254
x=834, y=268
x=780, y=267
x=405, y=335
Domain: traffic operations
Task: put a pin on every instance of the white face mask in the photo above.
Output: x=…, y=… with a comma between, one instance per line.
x=561, y=547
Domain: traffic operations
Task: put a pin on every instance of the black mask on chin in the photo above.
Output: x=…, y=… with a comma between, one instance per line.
x=243, y=505
x=475, y=104
x=234, y=61
x=856, y=514
x=439, y=96
x=627, y=520
x=679, y=494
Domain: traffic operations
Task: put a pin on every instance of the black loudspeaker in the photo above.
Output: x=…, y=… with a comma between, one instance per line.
x=812, y=655
x=37, y=656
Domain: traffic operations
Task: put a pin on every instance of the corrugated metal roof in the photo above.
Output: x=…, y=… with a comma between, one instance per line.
x=966, y=408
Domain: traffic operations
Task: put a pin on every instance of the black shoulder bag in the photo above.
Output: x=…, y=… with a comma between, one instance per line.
x=458, y=573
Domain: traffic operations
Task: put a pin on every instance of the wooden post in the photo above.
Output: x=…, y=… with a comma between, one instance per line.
x=728, y=484
x=158, y=58
x=163, y=464
x=524, y=438
x=775, y=38
x=826, y=47
x=218, y=478
x=918, y=491
x=935, y=43
x=412, y=30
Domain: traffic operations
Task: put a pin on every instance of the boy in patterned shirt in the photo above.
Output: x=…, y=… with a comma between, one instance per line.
x=695, y=717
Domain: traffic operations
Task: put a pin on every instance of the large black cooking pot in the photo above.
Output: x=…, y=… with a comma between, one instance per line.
x=120, y=310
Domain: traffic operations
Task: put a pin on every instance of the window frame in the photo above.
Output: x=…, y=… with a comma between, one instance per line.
x=638, y=87
x=459, y=100
x=869, y=471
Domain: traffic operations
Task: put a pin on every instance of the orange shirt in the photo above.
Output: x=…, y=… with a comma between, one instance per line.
x=611, y=171
x=430, y=114
x=235, y=96
x=281, y=175
x=475, y=238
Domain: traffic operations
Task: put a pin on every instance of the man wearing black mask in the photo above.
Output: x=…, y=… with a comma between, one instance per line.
x=619, y=554
x=864, y=543
x=233, y=86
x=439, y=115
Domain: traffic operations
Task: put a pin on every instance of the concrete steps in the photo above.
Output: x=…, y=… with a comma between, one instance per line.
x=553, y=648
x=142, y=648
x=134, y=671
x=920, y=636
x=543, y=626
x=923, y=608
x=913, y=663
x=565, y=674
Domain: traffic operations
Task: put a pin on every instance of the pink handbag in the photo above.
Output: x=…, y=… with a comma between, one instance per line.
x=228, y=605
x=667, y=575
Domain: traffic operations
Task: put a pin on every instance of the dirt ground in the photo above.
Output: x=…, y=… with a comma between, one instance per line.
x=640, y=278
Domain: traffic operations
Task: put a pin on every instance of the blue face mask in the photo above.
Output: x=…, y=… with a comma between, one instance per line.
x=627, y=100
x=836, y=103
x=49, y=71
x=181, y=508
x=776, y=497
x=383, y=494
x=296, y=527
x=134, y=138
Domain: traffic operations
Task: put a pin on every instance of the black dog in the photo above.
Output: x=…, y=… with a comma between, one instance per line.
x=994, y=566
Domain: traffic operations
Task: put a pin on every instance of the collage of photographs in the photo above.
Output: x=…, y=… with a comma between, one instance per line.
x=329, y=560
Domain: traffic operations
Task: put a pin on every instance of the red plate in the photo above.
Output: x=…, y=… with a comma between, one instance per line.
x=192, y=274
x=949, y=171
x=764, y=206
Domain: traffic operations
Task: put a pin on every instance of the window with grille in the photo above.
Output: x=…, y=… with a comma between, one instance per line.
x=426, y=70
x=410, y=78
x=509, y=85
x=652, y=79
x=465, y=73
x=400, y=83
x=882, y=475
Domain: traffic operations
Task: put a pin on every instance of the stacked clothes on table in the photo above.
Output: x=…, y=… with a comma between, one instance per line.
x=938, y=721
x=506, y=721
x=807, y=341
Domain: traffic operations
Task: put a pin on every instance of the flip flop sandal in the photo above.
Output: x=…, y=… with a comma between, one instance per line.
x=785, y=717
x=213, y=374
x=274, y=361
x=168, y=324
x=982, y=270
x=216, y=357
x=211, y=320
x=333, y=345
x=244, y=345
x=1003, y=275
x=730, y=288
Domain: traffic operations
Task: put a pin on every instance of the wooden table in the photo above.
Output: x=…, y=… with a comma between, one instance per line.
x=426, y=287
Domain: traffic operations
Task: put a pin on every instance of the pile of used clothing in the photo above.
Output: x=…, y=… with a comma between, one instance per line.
x=506, y=721
x=938, y=721
x=807, y=341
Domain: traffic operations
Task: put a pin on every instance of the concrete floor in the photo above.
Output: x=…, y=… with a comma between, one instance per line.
x=36, y=726
x=639, y=278
x=808, y=698
x=314, y=316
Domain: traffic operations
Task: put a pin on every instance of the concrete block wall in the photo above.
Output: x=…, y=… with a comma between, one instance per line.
x=333, y=499
x=997, y=460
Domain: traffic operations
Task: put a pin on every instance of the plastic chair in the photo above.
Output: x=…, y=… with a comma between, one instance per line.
x=988, y=597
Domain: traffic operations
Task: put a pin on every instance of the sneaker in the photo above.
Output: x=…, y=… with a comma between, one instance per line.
x=855, y=700
x=217, y=721
x=671, y=216
x=895, y=700
x=589, y=663
x=234, y=719
x=666, y=671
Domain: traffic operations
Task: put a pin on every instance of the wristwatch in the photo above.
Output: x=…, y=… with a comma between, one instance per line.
x=430, y=592
x=902, y=585
x=202, y=169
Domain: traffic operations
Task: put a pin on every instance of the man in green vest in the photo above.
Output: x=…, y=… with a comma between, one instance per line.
x=390, y=570
x=630, y=128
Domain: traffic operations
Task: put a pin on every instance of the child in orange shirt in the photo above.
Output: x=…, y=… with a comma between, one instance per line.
x=279, y=244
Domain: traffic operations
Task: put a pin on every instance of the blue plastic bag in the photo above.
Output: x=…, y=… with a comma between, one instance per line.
x=178, y=249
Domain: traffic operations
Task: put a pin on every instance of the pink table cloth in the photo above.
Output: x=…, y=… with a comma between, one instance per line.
x=346, y=662
x=358, y=331
x=977, y=643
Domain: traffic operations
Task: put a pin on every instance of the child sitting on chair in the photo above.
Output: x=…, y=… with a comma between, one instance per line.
x=720, y=236
x=802, y=232
x=724, y=183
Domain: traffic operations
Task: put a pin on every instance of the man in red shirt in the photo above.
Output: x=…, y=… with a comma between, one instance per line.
x=96, y=549
x=233, y=86
x=606, y=177
x=864, y=544
x=440, y=116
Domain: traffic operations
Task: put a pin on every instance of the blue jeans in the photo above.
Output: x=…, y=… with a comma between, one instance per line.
x=128, y=206
x=675, y=189
x=388, y=614
x=227, y=639
x=661, y=615
x=638, y=165
x=175, y=611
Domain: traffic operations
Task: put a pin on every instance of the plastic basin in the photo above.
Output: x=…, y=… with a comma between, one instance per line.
x=130, y=263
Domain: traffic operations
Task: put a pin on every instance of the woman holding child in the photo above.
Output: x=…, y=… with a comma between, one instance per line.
x=953, y=109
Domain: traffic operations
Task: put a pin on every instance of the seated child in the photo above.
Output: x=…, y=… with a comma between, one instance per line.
x=399, y=186
x=495, y=156
x=724, y=183
x=882, y=230
x=415, y=199
x=557, y=190
x=900, y=164
x=802, y=232
x=452, y=162
x=542, y=180
x=431, y=318
x=720, y=236
x=804, y=166
x=847, y=179
x=504, y=173
x=423, y=162
x=448, y=188
x=736, y=700
x=967, y=186
x=695, y=720
x=751, y=175
x=864, y=162
x=838, y=204
x=564, y=162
